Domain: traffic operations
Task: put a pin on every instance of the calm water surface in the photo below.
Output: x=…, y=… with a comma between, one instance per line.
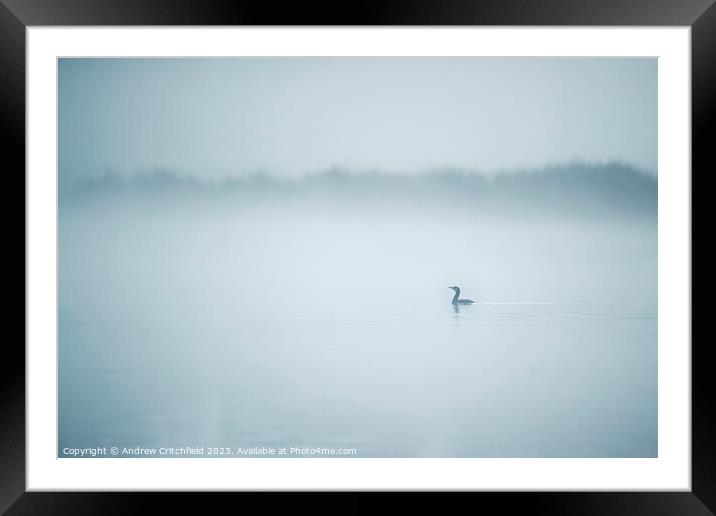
x=307, y=328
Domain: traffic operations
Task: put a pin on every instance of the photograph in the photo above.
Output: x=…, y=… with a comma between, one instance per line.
x=346, y=257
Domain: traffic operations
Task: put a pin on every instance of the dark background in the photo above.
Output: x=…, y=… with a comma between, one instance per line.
x=15, y=15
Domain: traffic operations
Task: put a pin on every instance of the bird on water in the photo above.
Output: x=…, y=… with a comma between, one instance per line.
x=456, y=298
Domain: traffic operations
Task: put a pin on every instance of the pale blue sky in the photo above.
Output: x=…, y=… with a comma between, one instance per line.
x=291, y=116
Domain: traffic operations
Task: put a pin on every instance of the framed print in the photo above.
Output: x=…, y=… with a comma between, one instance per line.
x=420, y=250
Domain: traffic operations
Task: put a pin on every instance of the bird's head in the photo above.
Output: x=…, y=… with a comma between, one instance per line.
x=454, y=288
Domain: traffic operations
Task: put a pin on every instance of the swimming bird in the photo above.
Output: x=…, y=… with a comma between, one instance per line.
x=456, y=299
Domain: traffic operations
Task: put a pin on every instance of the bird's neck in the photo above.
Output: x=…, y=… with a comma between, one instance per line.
x=457, y=295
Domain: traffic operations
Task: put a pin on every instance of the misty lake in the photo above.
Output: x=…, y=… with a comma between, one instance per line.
x=200, y=323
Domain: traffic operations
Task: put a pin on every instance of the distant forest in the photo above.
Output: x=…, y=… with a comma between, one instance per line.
x=573, y=189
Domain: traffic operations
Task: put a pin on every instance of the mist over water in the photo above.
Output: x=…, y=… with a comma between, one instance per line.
x=316, y=313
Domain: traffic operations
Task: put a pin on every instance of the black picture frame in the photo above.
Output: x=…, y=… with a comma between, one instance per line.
x=16, y=15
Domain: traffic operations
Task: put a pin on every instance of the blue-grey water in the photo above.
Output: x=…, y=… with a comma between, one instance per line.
x=331, y=326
